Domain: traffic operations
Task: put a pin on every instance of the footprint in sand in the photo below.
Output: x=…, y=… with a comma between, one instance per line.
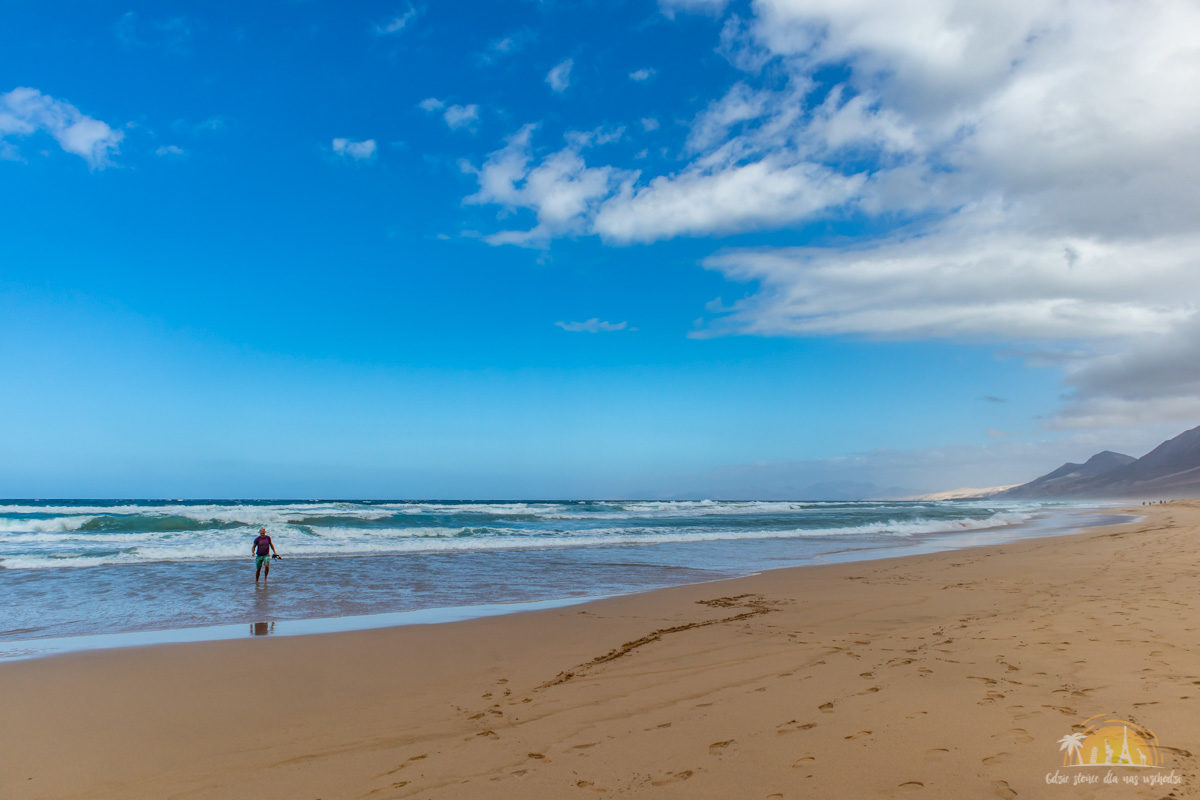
x=998, y=758
x=857, y=735
x=826, y=707
x=716, y=748
x=911, y=787
x=672, y=777
x=1002, y=789
x=937, y=754
x=1020, y=735
x=406, y=763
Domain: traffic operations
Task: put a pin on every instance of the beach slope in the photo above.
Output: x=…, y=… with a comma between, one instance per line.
x=948, y=675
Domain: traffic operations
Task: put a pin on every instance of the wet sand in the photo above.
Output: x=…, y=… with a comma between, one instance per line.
x=949, y=675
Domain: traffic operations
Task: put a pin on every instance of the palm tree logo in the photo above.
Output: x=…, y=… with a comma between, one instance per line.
x=1111, y=742
x=1072, y=745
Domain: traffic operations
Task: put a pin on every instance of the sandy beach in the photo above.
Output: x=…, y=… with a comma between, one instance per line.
x=950, y=675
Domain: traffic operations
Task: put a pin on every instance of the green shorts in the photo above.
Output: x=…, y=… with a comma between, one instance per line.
x=260, y=560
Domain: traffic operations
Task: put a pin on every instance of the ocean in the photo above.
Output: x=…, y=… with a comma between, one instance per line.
x=73, y=572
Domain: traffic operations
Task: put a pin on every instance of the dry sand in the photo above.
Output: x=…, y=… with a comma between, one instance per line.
x=949, y=675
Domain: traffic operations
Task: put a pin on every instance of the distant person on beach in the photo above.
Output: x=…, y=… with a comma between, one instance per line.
x=262, y=549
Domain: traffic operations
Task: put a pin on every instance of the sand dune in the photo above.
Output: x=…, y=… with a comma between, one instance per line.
x=965, y=493
x=949, y=675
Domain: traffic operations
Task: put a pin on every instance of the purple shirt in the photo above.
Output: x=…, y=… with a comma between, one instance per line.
x=263, y=545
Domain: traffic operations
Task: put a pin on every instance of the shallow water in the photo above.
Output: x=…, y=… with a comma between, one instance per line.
x=80, y=568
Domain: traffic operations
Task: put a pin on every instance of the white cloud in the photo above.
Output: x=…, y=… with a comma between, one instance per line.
x=502, y=46
x=1148, y=366
x=506, y=45
x=1125, y=307
x=669, y=7
x=751, y=170
x=596, y=136
x=712, y=126
x=461, y=116
x=25, y=111
x=1075, y=119
x=717, y=195
x=559, y=76
x=503, y=170
x=396, y=24
x=700, y=202
x=649, y=124
x=1036, y=163
x=1057, y=141
x=356, y=151
x=455, y=116
x=169, y=150
x=740, y=47
x=641, y=75
x=1023, y=97
x=561, y=189
x=970, y=283
x=1154, y=377
x=593, y=325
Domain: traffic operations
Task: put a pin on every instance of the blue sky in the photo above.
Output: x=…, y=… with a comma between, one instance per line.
x=582, y=249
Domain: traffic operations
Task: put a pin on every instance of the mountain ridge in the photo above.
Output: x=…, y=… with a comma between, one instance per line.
x=1172, y=469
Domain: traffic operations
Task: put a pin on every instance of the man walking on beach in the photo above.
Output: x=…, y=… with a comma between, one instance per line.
x=262, y=549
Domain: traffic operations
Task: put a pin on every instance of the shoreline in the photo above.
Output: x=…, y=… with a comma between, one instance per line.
x=1055, y=522
x=949, y=674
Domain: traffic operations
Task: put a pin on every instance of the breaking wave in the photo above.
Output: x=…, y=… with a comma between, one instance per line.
x=41, y=535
